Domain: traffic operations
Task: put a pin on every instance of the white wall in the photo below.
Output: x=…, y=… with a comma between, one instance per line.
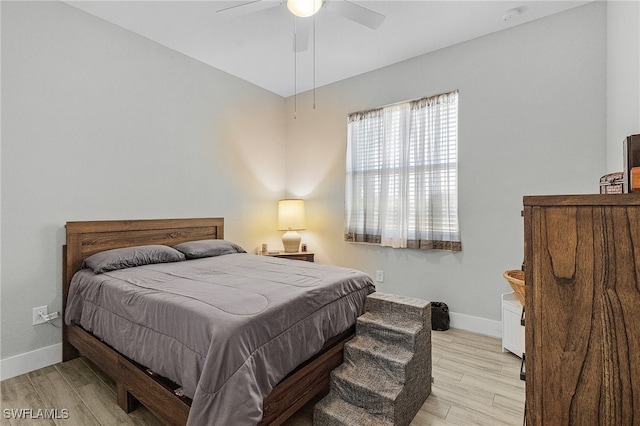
x=532, y=111
x=99, y=123
x=623, y=77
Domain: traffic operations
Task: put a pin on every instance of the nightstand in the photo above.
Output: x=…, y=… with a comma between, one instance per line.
x=301, y=255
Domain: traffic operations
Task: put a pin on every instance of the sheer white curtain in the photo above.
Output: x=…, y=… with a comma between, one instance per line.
x=362, y=191
x=401, y=188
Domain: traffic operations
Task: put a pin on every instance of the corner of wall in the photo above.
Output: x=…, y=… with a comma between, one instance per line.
x=623, y=86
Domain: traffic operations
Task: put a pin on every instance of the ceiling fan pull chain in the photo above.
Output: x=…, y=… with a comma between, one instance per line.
x=295, y=71
x=314, y=61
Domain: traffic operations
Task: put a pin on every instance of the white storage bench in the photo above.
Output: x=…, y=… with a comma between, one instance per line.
x=512, y=329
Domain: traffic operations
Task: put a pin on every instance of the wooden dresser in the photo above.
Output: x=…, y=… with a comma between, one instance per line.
x=582, y=266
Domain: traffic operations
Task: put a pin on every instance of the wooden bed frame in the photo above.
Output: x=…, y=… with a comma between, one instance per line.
x=134, y=382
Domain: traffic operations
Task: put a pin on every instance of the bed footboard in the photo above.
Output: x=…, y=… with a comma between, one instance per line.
x=133, y=383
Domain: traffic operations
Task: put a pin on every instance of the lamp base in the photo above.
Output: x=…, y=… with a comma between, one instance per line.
x=291, y=241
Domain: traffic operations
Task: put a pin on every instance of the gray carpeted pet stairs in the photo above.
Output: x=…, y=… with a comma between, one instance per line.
x=386, y=374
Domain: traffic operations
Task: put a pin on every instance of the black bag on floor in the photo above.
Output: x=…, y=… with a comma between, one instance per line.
x=439, y=316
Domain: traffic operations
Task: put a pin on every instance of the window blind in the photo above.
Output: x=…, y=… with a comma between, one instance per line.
x=401, y=175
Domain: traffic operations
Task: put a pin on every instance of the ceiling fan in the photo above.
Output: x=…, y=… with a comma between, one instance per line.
x=307, y=8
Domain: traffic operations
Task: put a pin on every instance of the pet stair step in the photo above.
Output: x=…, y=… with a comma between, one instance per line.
x=400, y=306
x=334, y=411
x=387, y=359
x=364, y=388
x=384, y=320
x=394, y=330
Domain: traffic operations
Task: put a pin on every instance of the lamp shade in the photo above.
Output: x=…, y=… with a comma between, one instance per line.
x=291, y=215
x=304, y=8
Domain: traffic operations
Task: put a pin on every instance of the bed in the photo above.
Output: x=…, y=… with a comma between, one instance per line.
x=271, y=358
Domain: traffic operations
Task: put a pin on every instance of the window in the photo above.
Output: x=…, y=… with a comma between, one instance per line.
x=402, y=172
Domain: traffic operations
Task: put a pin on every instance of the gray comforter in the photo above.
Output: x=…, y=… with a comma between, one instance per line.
x=226, y=328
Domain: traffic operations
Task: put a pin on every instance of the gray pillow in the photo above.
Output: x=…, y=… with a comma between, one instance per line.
x=128, y=257
x=208, y=248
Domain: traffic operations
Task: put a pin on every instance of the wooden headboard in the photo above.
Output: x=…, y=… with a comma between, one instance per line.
x=87, y=238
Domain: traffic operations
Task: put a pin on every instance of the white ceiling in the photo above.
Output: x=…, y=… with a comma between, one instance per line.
x=258, y=47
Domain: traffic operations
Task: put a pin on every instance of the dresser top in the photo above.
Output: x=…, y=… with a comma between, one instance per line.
x=583, y=200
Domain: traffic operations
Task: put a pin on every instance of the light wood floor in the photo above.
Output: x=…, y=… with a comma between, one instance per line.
x=475, y=383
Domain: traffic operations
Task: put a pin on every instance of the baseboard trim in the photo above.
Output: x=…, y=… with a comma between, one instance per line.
x=476, y=324
x=30, y=361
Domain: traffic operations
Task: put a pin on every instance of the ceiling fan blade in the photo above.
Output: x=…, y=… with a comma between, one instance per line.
x=301, y=39
x=359, y=14
x=247, y=8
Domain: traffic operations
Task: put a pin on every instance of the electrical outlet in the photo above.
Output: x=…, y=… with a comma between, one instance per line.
x=38, y=314
x=379, y=276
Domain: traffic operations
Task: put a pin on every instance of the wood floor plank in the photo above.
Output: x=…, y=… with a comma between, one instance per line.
x=441, y=336
x=512, y=370
x=507, y=404
x=458, y=394
x=76, y=372
x=424, y=418
x=477, y=340
x=435, y=406
x=472, y=406
x=19, y=396
x=495, y=383
x=490, y=417
x=465, y=364
x=497, y=356
x=445, y=374
x=56, y=393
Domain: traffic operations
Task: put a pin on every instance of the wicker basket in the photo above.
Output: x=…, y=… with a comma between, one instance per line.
x=516, y=279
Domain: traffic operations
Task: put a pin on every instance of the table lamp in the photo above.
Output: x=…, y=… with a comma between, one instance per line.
x=291, y=219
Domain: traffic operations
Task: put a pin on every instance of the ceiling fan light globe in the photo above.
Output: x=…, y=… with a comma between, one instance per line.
x=304, y=8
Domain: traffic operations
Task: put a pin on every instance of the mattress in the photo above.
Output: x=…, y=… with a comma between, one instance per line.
x=226, y=328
